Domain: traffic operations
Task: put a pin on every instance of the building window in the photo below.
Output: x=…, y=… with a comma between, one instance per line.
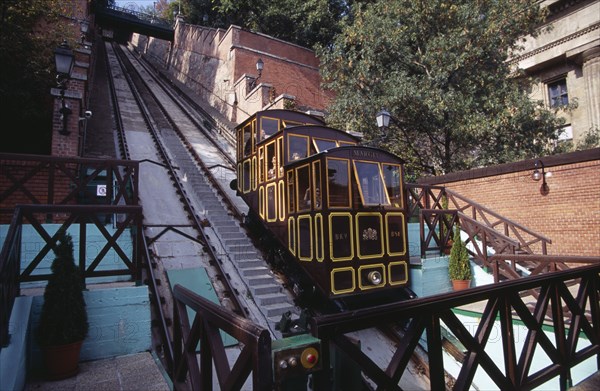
x=557, y=91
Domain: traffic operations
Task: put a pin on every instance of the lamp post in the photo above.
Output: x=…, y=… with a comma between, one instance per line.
x=64, y=60
x=536, y=175
x=259, y=68
x=383, y=122
x=84, y=26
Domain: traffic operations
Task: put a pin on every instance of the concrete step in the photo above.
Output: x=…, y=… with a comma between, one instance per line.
x=266, y=289
x=262, y=279
x=229, y=222
x=241, y=248
x=273, y=310
x=272, y=298
x=249, y=263
x=234, y=229
x=255, y=271
x=238, y=242
x=242, y=256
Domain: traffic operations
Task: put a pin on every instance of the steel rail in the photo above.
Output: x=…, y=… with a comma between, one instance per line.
x=130, y=73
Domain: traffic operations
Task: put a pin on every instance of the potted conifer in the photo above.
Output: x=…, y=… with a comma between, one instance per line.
x=446, y=220
x=459, y=266
x=63, y=321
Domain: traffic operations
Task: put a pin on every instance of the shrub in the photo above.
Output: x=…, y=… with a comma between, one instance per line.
x=64, y=317
x=459, y=266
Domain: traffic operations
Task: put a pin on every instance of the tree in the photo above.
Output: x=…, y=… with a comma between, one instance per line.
x=27, y=71
x=441, y=69
x=305, y=23
x=64, y=318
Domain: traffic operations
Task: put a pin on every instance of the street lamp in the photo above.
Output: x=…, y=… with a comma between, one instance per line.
x=259, y=67
x=64, y=60
x=84, y=26
x=536, y=175
x=383, y=119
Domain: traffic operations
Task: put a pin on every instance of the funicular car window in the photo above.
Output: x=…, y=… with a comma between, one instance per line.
x=291, y=191
x=304, y=192
x=297, y=147
x=271, y=161
x=247, y=140
x=338, y=181
x=392, y=175
x=268, y=127
x=323, y=145
x=370, y=183
x=317, y=185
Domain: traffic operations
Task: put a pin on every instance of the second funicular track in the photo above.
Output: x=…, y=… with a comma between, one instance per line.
x=249, y=287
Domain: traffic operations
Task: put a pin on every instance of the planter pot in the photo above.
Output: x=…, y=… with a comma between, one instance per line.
x=62, y=361
x=460, y=284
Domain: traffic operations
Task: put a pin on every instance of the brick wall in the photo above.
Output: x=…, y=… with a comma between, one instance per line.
x=36, y=188
x=220, y=64
x=569, y=214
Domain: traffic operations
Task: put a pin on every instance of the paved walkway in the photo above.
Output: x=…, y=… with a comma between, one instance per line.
x=132, y=372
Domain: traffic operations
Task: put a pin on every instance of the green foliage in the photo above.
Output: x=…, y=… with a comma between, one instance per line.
x=441, y=68
x=589, y=140
x=64, y=317
x=27, y=70
x=305, y=23
x=459, y=266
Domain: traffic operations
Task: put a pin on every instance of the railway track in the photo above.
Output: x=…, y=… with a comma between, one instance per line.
x=200, y=170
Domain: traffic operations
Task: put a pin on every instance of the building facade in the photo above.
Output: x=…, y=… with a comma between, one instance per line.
x=564, y=60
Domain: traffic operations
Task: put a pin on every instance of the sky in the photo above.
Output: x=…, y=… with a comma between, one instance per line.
x=138, y=3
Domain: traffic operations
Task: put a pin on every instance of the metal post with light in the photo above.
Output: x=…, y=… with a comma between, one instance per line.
x=64, y=60
x=383, y=122
x=84, y=27
x=537, y=175
x=259, y=68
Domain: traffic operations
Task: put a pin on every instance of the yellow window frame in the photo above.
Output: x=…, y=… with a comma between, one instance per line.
x=390, y=265
x=275, y=208
x=349, y=182
x=332, y=277
x=387, y=231
x=310, y=227
x=381, y=178
x=319, y=239
x=350, y=236
x=381, y=235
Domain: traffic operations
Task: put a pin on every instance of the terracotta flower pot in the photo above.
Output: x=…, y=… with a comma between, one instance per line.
x=461, y=284
x=62, y=361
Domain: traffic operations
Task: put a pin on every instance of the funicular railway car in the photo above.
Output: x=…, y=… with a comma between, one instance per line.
x=337, y=207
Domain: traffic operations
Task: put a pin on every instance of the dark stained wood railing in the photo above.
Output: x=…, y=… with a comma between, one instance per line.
x=194, y=370
x=526, y=237
x=503, y=306
x=485, y=228
x=29, y=179
x=14, y=269
x=10, y=260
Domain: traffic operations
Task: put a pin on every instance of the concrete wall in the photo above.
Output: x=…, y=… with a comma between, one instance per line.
x=119, y=321
x=569, y=214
